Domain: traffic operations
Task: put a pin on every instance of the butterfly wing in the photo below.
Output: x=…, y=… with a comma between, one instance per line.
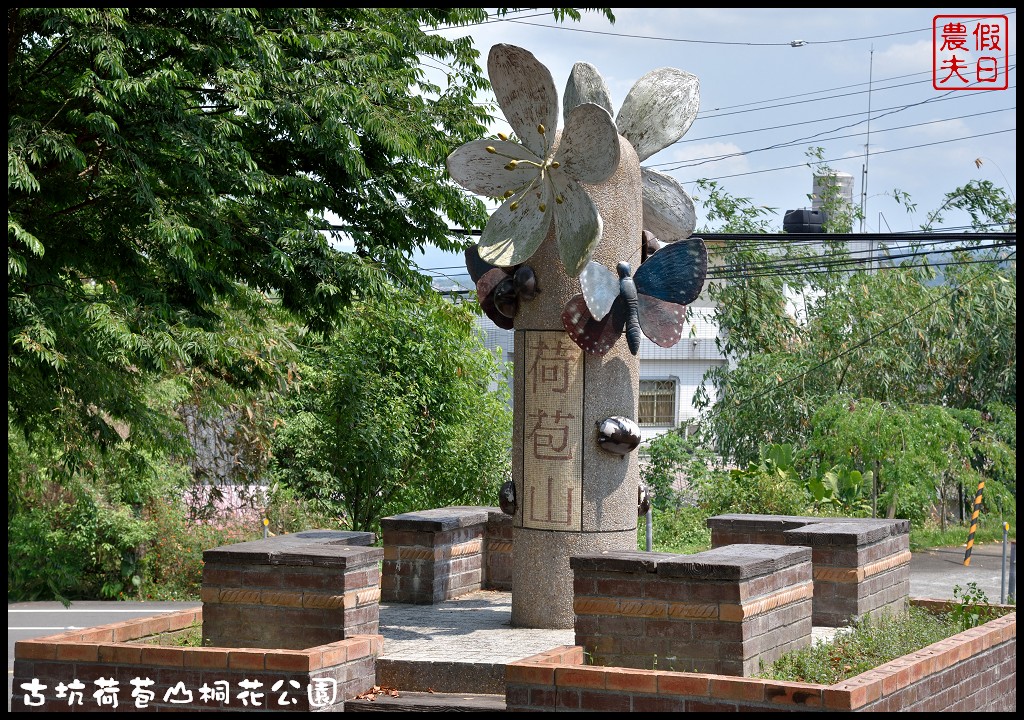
x=594, y=336
x=485, y=294
x=600, y=288
x=675, y=273
x=661, y=321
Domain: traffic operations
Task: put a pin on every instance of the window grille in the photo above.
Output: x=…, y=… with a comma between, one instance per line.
x=657, y=402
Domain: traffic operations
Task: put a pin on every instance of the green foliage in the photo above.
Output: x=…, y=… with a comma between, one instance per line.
x=681, y=529
x=971, y=607
x=769, y=486
x=83, y=535
x=842, y=491
x=175, y=560
x=990, y=208
x=670, y=463
x=396, y=412
x=868, y=643
x=180, y=184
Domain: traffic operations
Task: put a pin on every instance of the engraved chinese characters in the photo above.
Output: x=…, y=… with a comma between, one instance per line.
x=553, y=403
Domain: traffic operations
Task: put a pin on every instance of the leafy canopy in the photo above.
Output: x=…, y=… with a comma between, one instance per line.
x=403, y=408
x=166, y=165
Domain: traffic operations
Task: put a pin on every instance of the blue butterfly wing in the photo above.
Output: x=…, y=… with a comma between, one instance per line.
x=675, y=273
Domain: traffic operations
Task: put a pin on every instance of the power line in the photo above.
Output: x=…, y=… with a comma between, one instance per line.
x=817, y=136
x=787, y=43
x=876, y=152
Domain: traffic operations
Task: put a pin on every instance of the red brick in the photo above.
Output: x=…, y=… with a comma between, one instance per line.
x=97, y=635
x=35, y=650
x=183, y=619
x=121, y=653
x=691, y=684
x=530, y=674
x=78, y=651
x=163, y=656
x=291, y=661
x=637, y=681
x=794, y=693
x=334, y=654
x=206, y=658
x=247, y=659
x=730, y=688
x=582, y=676
x=359, y=646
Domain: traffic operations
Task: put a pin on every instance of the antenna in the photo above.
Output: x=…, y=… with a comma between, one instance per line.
x=867, y=145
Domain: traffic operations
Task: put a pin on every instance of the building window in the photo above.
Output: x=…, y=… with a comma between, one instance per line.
x=657, y=402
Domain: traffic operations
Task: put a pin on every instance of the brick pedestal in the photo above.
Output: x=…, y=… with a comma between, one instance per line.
x=498, y=552
x=861, y=566
x=292, y=592
x=724, y=611
x=433, y=555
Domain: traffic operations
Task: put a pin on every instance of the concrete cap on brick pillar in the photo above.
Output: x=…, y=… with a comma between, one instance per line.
x=439, y=519
x=861, y=532
x=321, y=548
x=734, y=562
x=619, y=561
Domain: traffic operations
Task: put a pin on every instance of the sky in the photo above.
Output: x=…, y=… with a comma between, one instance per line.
x=858, y=83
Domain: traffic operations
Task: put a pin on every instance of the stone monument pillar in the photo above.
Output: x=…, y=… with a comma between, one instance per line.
x=572, y=496
x=577, y=208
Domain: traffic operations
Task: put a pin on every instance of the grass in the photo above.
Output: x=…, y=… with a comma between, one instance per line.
x=871, y=642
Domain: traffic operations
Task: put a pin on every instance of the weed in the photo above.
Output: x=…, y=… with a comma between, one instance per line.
x=973, y=608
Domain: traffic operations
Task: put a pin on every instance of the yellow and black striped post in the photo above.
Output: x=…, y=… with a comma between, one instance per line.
x=974, y=522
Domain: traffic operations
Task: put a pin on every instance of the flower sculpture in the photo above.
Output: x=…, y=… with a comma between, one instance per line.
x=538, y=178
x=657, y=111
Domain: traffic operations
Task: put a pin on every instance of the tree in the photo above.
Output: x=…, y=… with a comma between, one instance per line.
x=902, y=334
x=184, y=186
x=402, y=409
x=165, y=163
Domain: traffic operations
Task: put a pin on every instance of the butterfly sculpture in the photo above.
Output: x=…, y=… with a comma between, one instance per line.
x=652, y=302
x=500, y=289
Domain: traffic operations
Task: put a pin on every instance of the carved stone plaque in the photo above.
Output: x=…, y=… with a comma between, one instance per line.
x=553, y=432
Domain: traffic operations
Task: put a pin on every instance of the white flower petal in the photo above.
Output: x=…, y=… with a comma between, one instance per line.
x=484, y=173
x=513, y=234
x=600, y=288
x=668, y=210
x=589, y=148
x=585, y=85
x=526, y=94
x=578, y=224
x=658, y=110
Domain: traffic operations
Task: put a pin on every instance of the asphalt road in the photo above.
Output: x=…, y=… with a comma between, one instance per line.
x=933, y=574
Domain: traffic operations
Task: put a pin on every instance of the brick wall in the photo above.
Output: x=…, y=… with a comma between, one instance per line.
x=972, y=671
x=90, y=664
x=498, y=552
